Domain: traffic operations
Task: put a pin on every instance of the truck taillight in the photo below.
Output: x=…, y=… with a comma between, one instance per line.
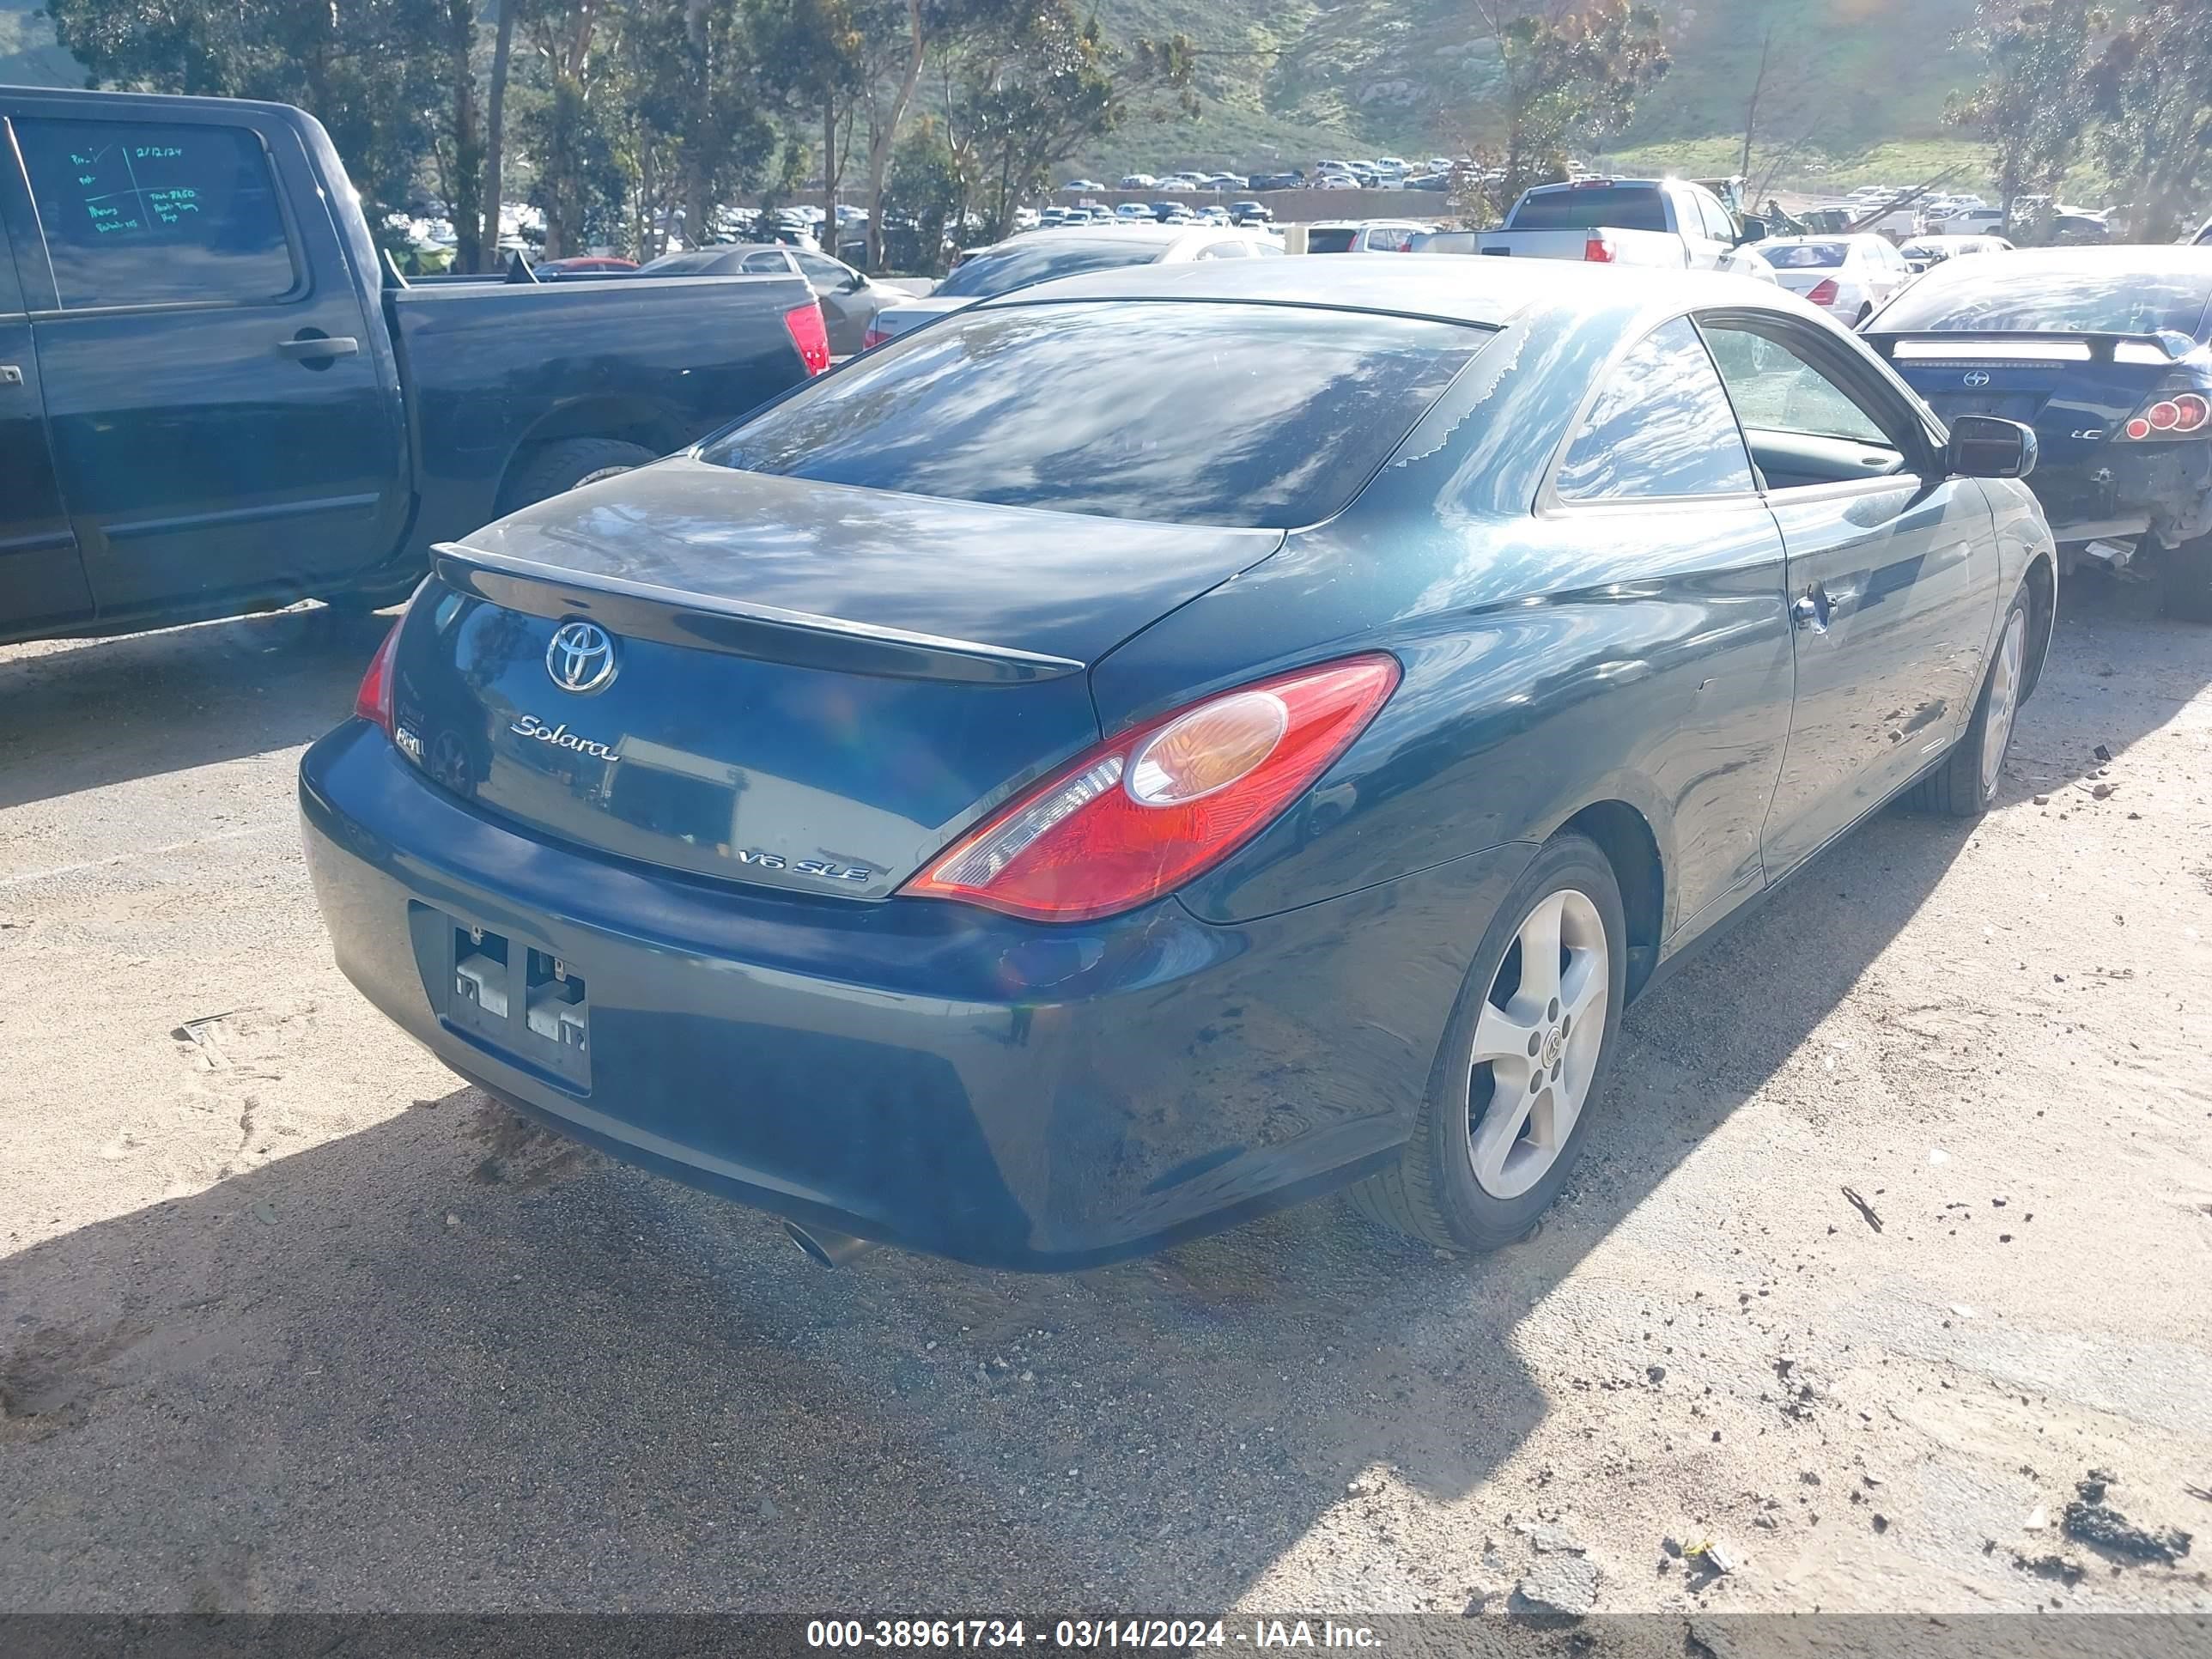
x=809, y=334
x=1598, y=250
x=1822, y=293
x=2178, y=416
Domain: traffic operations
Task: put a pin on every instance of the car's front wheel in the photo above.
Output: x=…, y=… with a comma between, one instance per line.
x=1966, y=785
x=1523, y=1060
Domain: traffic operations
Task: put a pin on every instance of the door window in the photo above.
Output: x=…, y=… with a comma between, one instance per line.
x=145, y=213
x=823, y=272
x=1662, y=426
x=1775, y=387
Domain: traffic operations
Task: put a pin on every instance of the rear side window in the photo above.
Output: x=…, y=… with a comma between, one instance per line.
x=141, y=213
x=1662, y=426
x=1587, y=207
x=1245, y=416
x=1805, y=256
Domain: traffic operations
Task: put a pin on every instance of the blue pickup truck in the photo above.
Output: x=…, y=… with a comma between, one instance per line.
x=214, y=400
x=2107, y=353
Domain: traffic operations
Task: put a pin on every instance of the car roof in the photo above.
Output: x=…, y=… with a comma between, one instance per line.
x=1456, y=288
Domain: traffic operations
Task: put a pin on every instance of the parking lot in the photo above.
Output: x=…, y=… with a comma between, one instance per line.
x=290, y=1318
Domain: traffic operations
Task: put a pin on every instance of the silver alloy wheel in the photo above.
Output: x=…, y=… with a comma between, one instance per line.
x=2005, y=698
x=1536, y=1043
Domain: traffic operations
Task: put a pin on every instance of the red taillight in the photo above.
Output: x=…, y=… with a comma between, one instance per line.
x=1822, y=293
x=809, y=335
x=1597, y=251
x=2182, y=413
x=874, y=338
x=373, y=703
x=1143, y=813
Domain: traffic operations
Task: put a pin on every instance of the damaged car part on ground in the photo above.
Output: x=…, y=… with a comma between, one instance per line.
x=991, y=829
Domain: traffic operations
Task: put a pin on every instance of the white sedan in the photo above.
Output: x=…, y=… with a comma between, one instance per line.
x=1847, y=277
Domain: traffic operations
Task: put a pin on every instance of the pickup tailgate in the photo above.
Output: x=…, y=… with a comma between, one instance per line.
x=769, y=680
x=1627, y=247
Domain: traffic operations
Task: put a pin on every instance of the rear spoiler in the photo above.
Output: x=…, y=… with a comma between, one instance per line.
x=765, y=633
x=2030, y=346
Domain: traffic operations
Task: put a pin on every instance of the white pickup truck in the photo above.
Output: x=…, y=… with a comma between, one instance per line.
x=1627, y=222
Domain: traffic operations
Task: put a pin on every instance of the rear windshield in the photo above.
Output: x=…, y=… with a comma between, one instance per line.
x=1243, y=416
x=2005, y=296
x=1331, y=241
x=1001, y=270
x=1626, y=207
x=1803, y=255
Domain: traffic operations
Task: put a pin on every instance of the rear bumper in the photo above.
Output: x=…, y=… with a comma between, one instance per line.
x=2163, y=490
x=924, y=1075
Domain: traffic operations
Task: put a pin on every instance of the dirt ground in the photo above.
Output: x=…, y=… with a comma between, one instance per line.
x=291, y=1319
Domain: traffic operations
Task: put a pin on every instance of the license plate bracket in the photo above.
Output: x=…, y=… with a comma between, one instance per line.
x=508, y=994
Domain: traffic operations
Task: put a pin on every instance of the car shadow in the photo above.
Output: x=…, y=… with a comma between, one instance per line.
x=453, y=1361
x=83, y=714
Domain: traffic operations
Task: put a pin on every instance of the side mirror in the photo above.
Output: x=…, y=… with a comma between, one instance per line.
x=1755, y=230
x=1985, y=447
x=855, y=282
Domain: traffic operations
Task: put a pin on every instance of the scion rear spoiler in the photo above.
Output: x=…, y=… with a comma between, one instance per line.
x=2029, y=345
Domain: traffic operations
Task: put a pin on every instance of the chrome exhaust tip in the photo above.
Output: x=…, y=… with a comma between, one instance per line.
x=820, y=1244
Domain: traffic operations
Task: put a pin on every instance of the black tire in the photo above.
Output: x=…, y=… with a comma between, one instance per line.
x=562, y=465
x=2185, y=581
x=1431, y=1193
x=1957, y=787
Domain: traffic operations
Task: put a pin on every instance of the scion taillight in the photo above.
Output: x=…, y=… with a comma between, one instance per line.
x=1145, y=811
x=373, y=703
x=2181, y=415
x=1823, y=292
x=810, y=335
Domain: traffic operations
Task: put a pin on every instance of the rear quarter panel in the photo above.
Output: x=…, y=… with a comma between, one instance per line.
x=1552, y=662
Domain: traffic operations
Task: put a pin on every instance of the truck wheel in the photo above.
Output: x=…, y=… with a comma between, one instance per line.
x=2185, y=581
x=1965, y=786
x=564, y=463
x=1523, y=1062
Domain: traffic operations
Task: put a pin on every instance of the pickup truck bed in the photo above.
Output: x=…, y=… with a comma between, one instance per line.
x=210, y=403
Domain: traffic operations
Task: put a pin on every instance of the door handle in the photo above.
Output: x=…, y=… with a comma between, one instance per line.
x=318, y=348
x=1811, y=609
x=11, y=375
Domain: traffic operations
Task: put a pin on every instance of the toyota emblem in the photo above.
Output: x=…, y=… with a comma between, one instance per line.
x=1978, y=378
x=580, y=658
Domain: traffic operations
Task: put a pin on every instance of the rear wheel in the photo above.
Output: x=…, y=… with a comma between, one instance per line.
x=1966, y=785
x=2185, y=581
x=565, y=464
x=1526, y=1054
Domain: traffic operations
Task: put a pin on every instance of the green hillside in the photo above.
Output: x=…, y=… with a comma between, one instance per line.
x=1419, y=76
x=1284, y=82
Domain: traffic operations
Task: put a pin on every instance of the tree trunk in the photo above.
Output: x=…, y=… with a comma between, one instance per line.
x=829, y=175
x=467, y=203
x=1751, y=104
x=880, y=142
x=495, y=133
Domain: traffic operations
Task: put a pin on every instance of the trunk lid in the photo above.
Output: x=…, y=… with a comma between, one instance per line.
x=2074, y=390
x=770, y=680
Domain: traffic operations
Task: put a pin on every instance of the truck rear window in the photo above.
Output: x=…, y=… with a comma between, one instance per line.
x=1624, y=207
x=1240, y=416
x=2000, y=297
